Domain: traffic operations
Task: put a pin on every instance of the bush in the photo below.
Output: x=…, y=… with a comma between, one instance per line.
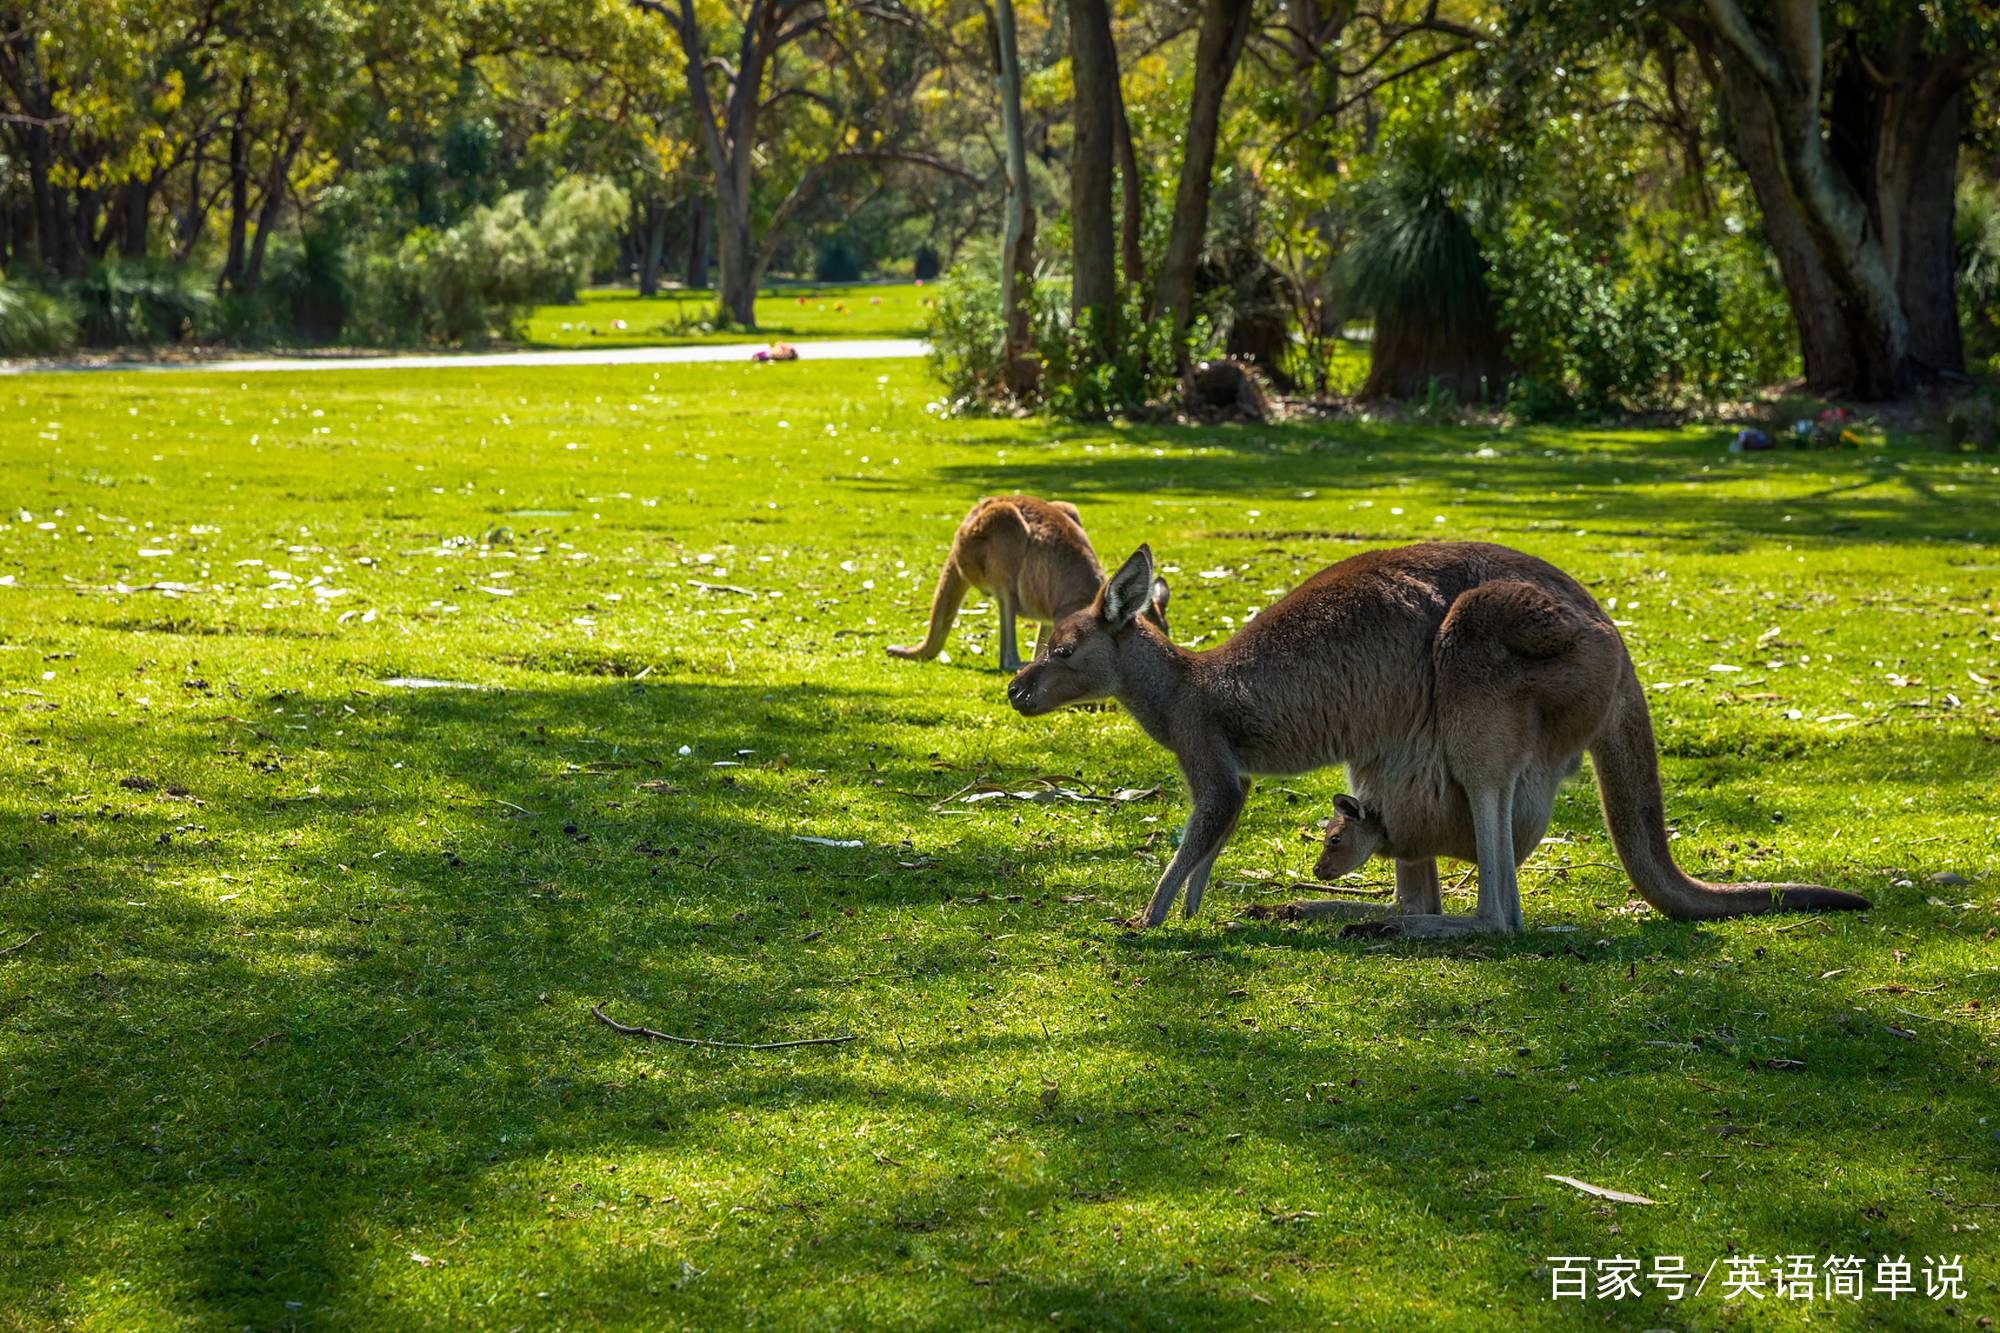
x=34, y=323
x=122, y=304
x=475, y=281
x=1137, y=378
x=1699, y=321
x=310, y=284
x=966, y=334
x=837, y=261
x=579, y=223
x=1978, y=236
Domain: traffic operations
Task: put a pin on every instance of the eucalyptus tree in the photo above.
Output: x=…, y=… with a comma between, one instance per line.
x=812, y=85
x=1848, y=119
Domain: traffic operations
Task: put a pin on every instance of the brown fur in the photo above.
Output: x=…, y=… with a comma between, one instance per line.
x=1353, y=835
x=1460, y=682
x=1032, y=557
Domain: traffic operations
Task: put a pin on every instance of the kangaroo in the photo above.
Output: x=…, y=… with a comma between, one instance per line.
x=1032, y=556
x=1460, y=682
x=1352, y=836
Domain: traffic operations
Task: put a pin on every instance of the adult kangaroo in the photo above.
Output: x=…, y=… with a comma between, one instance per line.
x=1460, y=682
x=1032, y=556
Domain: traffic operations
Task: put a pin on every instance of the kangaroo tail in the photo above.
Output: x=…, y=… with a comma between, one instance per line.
x=945, y=601
x=1628, y=783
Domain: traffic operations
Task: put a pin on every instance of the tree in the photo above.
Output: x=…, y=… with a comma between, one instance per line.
x=861, y=124
x=1849, y=130
x=1093, y=239
x=1225, y=24
x=1017, y=247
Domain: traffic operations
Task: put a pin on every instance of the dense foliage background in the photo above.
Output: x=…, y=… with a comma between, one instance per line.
x=1582, y=206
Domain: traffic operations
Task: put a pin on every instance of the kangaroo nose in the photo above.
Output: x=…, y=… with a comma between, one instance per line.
x=1017, y=694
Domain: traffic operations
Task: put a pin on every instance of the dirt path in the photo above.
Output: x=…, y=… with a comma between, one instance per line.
x=858, y=349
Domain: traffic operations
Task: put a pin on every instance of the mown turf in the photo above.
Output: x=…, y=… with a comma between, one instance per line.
x=676, y=316
x=294, y=1023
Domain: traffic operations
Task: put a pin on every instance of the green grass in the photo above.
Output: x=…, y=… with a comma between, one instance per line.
x=674, y=317
x=294, y=1023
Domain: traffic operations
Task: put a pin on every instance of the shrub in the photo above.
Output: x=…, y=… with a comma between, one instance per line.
x=1696, y=322
x=837, y=261
x=34, y=323
x=1977, y=227
x=1138, y=377
x=310, y=285
x=967, y=334
x=475, y=281
x=579, y=223
x=123, y=304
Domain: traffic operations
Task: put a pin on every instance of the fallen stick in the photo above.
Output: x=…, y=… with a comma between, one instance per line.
x=597, y=1012
x=1341, y=890
x=16, y=948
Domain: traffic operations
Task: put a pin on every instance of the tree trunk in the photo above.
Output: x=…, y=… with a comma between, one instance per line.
x=1225, y=24
x=1131, y=201
x=655, y=246
x=1093, y=236
x=189, y=231
x=1862, y=177
x=135, y=211
x=1018, y=367
x=699, y=215
x=736, y=294
x=1829, y=359
x=268, y=209
x=1927, y=255
x=231, y=277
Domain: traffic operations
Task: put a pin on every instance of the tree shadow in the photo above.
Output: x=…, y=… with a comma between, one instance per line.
x=1530, y=479
x=280, y=1011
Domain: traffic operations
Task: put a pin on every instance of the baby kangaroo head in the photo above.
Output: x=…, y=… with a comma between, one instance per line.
x=1352, y=836
x=1082, y=661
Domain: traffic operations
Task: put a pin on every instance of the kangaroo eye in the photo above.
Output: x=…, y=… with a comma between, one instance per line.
x=1063, y=650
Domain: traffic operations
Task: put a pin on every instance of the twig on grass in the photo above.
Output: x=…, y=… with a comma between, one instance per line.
x=16, y=948
x=597, y=1012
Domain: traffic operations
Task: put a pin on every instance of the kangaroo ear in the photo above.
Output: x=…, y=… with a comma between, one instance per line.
x=1348, y=806
x=1160, y=595
x=1070, y=509
x=1126, y=593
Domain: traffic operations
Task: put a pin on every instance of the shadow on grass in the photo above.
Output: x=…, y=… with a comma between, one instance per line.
x=1641, y=489
x=316, y=998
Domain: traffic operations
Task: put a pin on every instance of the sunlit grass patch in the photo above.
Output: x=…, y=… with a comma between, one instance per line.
x=607, y=317
x=297, y=1029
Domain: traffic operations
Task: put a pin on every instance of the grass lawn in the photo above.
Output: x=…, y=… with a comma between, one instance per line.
x=294, y=1008
x=791, y=311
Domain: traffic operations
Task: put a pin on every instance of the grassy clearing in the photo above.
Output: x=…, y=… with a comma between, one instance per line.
x=676, y=317
x=294, y=1029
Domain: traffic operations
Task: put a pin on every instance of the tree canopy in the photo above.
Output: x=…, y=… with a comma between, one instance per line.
x=1187, y=177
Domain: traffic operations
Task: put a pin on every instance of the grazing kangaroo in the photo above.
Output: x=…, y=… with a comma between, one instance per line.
x=1032, y=557
x=1460, y=682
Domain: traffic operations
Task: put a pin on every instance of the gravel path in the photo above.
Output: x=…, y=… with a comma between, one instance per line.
x=858, y=349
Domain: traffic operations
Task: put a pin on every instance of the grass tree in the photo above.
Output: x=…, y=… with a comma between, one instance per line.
x=1417, y=268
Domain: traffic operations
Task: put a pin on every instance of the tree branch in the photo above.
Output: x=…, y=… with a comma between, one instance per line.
x=1735, y=29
